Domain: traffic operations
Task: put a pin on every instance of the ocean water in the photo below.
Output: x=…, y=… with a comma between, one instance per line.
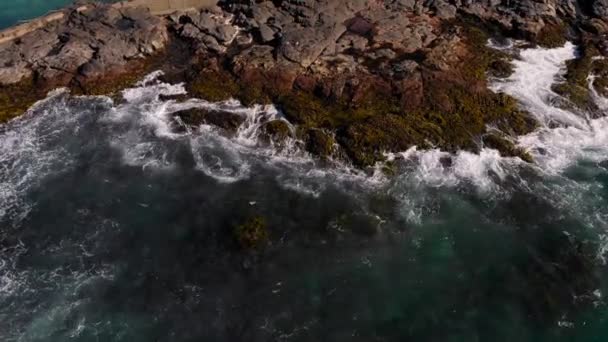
x=11, y=12
x=117, y=226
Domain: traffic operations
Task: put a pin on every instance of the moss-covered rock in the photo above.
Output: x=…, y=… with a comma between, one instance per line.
x=16, y=99
x=213, y=86
x=552, y=35
x=253, y=233
x=365, y=142
x=575, y=86
x=500, y=68
x=481, y=58
x=320, y=143
x=276, y=131
x=506, y=147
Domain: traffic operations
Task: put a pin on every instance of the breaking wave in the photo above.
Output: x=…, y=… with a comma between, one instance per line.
x=225, y=157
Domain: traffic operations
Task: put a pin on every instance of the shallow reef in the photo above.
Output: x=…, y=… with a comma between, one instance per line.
x=253, y=233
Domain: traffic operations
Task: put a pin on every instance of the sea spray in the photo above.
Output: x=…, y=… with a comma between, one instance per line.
x=565, y=136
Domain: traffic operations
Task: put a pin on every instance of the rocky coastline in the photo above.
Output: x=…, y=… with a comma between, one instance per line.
x=358, y=77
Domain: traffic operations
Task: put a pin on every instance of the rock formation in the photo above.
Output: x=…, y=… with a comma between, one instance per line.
x=92, y=44
x=370, y=76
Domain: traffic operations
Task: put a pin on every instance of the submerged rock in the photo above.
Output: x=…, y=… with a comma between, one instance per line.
x=253, y=233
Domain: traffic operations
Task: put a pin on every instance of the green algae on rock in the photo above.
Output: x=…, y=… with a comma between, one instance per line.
x=213, y=86
x=253, y=233
x=15, y=99
x=575, y=86
x=506, y=147
x=276, y=131
x=320, y=143
x=552, y=35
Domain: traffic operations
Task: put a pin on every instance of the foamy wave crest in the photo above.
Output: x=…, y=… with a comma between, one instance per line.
x=535, y=72
x=149, y=127
x=565, y=136
x=437, y=168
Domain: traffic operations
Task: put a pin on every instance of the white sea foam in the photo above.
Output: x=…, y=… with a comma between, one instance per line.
x=535, y=72
x=225, y=157
x=438, y=168
x=31, y=147
x=565, y=137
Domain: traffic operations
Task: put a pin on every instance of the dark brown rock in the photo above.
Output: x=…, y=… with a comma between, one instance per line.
x=223, y=119
x=320, y=143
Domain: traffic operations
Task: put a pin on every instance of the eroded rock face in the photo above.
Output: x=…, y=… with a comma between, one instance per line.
x=88, y=45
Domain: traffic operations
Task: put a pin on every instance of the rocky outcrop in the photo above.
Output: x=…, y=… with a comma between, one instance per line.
x=374, y=76
x=358, y=77
x=92, y=44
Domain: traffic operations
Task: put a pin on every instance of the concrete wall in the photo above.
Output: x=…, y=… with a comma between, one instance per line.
x=157, y=7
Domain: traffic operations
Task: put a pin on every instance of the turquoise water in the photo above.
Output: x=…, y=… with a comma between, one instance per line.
x=11, y=12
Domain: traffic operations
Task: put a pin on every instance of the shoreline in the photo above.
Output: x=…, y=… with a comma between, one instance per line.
x=348, y=74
